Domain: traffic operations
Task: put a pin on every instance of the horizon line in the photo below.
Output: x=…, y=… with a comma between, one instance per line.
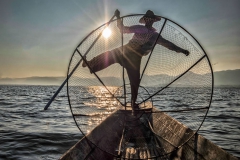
x=66, y=76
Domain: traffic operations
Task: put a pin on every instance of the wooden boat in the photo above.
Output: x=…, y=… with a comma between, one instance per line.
x=149, y=136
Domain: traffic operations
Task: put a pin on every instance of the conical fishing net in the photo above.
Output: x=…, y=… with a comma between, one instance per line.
x=177, y=89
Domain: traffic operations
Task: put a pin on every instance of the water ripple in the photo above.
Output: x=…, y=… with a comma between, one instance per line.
x=29, y=132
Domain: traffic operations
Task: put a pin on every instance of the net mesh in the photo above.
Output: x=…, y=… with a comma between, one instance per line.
x=177, y=85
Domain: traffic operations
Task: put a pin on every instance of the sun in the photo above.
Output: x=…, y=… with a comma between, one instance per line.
x=107, y=32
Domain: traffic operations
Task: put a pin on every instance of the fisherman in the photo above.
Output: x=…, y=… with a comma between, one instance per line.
x=144, y=39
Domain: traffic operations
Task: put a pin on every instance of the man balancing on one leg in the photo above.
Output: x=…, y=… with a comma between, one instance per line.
x=141, y=44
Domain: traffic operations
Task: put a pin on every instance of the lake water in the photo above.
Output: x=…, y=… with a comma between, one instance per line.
x=29, y=132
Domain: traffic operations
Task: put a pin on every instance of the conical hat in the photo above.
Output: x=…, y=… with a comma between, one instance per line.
x=150, y=14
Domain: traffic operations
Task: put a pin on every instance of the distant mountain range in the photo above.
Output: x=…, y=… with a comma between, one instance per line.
x=221, y=78
x=227, y=78
x=32, y=81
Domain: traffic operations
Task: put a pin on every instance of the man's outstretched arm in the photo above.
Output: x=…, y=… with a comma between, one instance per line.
x=126, y=29
x=119, y=21
x=171, y=46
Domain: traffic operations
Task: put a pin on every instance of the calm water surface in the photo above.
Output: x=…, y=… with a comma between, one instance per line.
x=29, y=132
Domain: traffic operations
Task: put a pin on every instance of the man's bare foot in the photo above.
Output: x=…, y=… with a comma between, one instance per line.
x=135, y=107
x=186, y=52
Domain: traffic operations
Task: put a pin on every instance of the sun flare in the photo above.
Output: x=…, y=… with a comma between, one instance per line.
x=107, y=32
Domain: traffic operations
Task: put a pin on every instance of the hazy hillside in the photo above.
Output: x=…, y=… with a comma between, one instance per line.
x=221, y=78
x=33, y=81
x=227, y=78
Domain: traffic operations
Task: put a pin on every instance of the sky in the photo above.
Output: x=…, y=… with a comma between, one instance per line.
x=38, y=37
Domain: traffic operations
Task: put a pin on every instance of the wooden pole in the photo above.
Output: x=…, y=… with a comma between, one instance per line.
x=65, y=81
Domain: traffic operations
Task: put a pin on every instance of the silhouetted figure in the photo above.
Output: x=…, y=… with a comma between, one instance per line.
x=141, y=44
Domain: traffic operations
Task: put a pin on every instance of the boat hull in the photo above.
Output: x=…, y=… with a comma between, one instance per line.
x=176, y=140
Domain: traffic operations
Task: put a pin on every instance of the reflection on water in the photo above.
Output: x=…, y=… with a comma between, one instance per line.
x=104, y=97
x=101, y=102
